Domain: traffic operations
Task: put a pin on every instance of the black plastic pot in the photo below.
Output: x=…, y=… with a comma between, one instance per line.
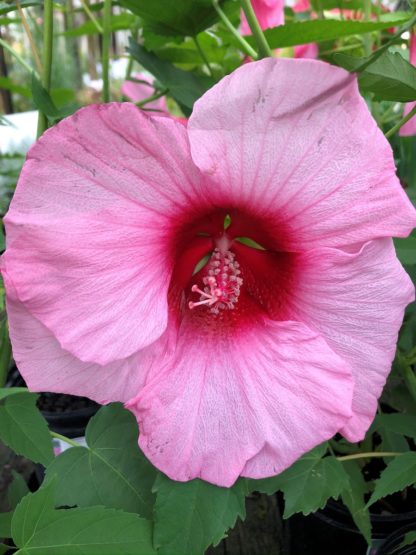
x=331, y=531
x=391, y=544
x=69, y=422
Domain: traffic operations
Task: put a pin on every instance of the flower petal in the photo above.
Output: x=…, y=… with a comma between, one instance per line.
x=356, y=302
x=212, y=407
x=45, y=366
x=269, y=13
x=140, y=91
x=295, y=139
x=89, y=229
x=409, y=128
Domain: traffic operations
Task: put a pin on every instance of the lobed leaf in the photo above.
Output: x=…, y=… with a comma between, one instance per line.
x=17, y=489
x=23, y=427
x=190, y=516
x=308, y=483
x=110, y=471
x=399, y=474
x=38, y=528
x=353, y=498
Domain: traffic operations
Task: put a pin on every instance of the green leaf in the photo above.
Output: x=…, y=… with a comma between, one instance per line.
x=318, y=5
x=319, y=30
x=173, y=17
x=308, y=483
x=190, y=516
x=45, y=104
x=7, y=83
x=17, y=489
x=348, y=62
x=6, y=391
x=409, y=539
x=38, y=528
x=6, y=525
x=272, y=485
x=404, y=424
x=389, y=77
x=353, y=498
x=399, y=474
x=185, y=87
x=406, y=249
x=24, y=429
x=111, y=470
x=118, y=23
x=4, y=549
x=7, y=7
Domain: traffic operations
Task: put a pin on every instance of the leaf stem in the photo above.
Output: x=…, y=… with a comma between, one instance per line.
x=202, y=54
x=29, y=36
x=47, y=58
x=92, y=16
x=396, y=127
x=106, y=50
x=258, y=35
x=65, y=439
x=368, y=455
x=152, y=97
x=245, y=46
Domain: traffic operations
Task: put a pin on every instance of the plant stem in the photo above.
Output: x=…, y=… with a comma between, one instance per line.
x=19, y=59
x=245, y=46
x=106, y=50
x=369, y=455
x=202, y=54
x=47, y=58
x=91, y=16
x=368, y=41
x=29, y=36
x=152, y=97
x=65, y=439
x=258, y=35
x=396, y=127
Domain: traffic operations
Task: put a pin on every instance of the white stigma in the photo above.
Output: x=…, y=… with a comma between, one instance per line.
x=222, y=283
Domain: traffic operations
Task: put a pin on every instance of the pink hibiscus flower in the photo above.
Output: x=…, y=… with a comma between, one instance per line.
x=270, y=13
x=239, y=366
x=311, y=49
x=140, y=91
x=409, y=128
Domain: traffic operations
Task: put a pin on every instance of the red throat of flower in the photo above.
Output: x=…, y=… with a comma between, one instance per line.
x=243, y=274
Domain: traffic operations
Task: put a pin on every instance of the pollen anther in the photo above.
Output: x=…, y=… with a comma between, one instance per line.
x=222, y=284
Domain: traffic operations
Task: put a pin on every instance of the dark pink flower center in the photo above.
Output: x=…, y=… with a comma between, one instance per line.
x=230, y=276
